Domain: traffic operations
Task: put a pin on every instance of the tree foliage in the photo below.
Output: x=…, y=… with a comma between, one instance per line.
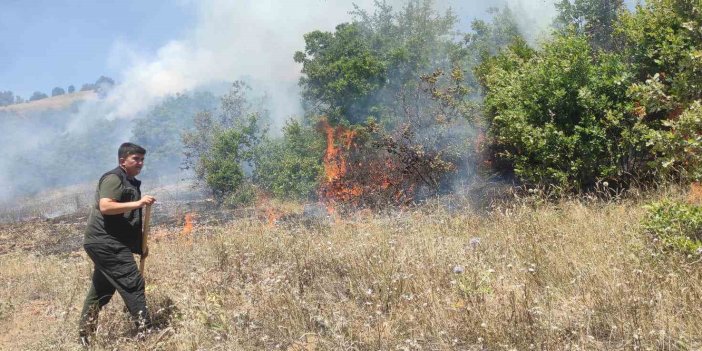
x=57, y=91
x=560, y=115
x=37, y=95
x=222, y=142
x=595, y=19
x=357, y=71
x=575, y=112
x=290, y=167
x=159, y=131
x=7, y=98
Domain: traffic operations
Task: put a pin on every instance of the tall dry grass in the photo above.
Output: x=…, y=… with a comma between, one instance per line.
x=576, y=275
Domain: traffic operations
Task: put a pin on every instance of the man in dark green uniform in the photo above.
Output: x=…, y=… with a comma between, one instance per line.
x=113, y=235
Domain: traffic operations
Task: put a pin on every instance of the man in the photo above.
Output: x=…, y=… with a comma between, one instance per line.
x=112, y=236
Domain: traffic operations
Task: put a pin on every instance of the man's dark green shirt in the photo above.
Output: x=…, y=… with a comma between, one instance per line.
x=121, y=229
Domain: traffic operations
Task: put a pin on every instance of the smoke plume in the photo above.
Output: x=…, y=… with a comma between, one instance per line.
x=250, y=40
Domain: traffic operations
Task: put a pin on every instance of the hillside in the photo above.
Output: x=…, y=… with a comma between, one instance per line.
x=59, y=102
x=569, y=276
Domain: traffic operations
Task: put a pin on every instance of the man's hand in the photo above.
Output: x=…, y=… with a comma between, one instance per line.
x=147, y=200
x=112, y=207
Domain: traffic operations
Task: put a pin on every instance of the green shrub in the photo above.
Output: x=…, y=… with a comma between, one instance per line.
x=290, y=167
x=223, y=164
x=560, y=116
x=677, y=225
x=679, y=146
x=159, y=131
x=222, y=142
x=244, y=194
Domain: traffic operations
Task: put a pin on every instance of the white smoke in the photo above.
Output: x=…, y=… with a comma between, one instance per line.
x=257, y=39
x=534, y=17
x=231, y=40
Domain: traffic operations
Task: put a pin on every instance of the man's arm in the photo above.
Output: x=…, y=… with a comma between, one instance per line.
x=110, y=206
x=110, y=190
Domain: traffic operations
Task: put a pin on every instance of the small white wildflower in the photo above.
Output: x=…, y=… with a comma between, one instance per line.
x=606, y=184
x=699, y=251
x=458, y=269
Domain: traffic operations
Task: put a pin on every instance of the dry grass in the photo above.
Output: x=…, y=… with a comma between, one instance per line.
x=567, y=276
x=50, y=103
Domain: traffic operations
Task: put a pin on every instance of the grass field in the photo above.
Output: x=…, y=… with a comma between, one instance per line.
x=58, y=102
x=576, y=275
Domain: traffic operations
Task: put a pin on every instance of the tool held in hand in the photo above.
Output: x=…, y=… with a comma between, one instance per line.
x=145, y=234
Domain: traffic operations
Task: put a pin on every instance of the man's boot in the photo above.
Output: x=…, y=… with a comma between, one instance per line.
x=88, y=326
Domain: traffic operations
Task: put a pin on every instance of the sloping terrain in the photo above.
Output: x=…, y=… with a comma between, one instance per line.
x=59, y=102
x=566, y=276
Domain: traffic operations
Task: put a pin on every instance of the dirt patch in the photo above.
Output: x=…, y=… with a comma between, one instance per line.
x=41, y=236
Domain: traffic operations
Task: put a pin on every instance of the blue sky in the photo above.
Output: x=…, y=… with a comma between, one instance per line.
x=44, y=44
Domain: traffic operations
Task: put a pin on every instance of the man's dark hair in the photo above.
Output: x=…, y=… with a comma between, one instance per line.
x=127, y=149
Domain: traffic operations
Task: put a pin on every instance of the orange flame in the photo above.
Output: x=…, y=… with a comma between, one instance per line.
x=336, y=167
x=334, y=160
x=357, y=176
x=272, y=216
x=188, y=226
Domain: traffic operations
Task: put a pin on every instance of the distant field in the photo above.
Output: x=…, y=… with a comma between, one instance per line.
x=50, y=103
x=576, y=275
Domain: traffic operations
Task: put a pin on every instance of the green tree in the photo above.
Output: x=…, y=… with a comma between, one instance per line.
x=663, y=41
x=340, y=73
x=222, y=165
x=290, y=167
x=561, y=116
x=37, y=95
x=88, y=86
x=159, y=131
x=596, y=19
x=71, y=89
x=358, y=71
x=221, y=142
x=57, y=91
x=6, y=98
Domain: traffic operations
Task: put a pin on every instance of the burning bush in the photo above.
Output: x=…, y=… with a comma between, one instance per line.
x=367, y=167
x=395, y=163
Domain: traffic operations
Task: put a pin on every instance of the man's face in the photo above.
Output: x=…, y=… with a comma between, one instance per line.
x=132, y=164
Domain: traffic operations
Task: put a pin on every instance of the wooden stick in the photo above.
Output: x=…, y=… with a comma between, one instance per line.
x=145, y=234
